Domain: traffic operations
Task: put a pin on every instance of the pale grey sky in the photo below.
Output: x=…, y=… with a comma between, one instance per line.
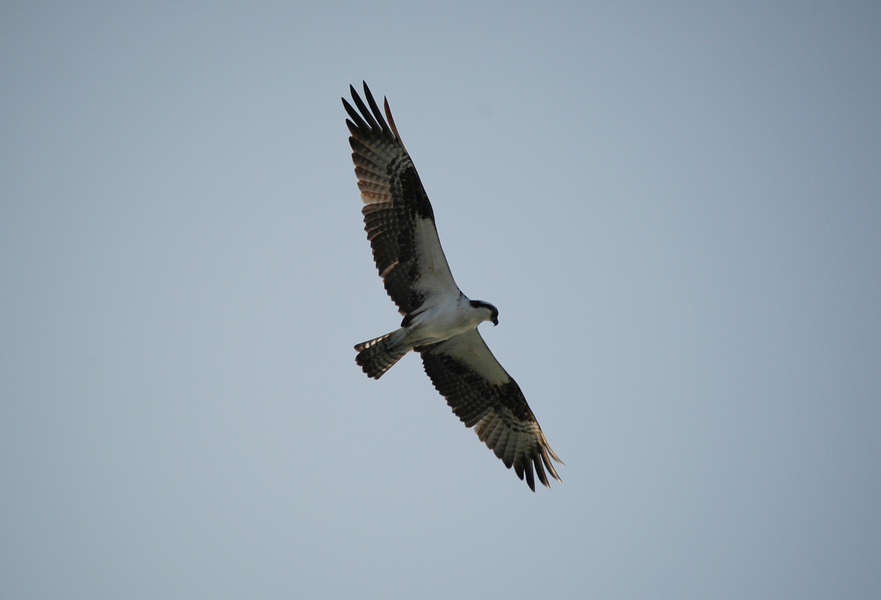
x=676, y=208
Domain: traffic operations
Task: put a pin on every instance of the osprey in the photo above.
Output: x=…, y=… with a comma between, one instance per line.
x=440, y=322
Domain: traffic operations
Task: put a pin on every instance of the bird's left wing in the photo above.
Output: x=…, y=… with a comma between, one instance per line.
x=484, y=396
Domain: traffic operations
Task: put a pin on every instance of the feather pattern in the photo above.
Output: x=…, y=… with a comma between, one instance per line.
x=398, y=217
x=484, y=396
x=439, y=321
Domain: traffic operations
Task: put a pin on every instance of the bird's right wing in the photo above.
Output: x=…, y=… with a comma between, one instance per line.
x=398, y=217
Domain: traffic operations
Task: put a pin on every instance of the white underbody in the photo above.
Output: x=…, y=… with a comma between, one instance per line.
x=449, y=317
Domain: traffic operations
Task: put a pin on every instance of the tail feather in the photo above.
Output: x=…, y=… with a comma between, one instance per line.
x=375, y=357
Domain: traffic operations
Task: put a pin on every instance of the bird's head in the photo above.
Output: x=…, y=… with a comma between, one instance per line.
x=492, y=311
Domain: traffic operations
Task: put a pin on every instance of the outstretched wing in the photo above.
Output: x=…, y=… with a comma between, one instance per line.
x=397, y=214
x=483, y=396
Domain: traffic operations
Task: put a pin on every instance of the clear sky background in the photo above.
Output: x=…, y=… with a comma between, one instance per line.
x=676, y=208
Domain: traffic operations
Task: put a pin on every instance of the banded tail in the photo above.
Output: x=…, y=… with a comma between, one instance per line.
x=375, y=357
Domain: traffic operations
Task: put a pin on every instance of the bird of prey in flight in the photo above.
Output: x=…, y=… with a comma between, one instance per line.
x=440, y=322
